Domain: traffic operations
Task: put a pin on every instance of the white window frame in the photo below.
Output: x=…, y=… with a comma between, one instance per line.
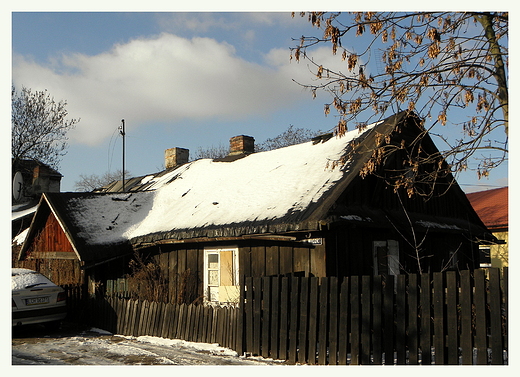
x=217, y=297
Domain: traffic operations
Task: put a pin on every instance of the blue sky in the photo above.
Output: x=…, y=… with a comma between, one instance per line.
x=190, y=80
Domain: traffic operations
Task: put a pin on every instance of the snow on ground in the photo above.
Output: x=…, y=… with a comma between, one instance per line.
x=99, y=347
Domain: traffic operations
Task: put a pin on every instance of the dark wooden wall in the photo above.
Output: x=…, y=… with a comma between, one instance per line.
x=372, y=192
x=349, y=251
x=181, y=267
x=282, y=258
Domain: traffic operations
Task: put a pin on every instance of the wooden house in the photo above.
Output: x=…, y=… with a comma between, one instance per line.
x=196, y=229
x=492, y=208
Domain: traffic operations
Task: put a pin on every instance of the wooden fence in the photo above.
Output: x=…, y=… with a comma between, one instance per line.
x=195, y=323
x=440, y=318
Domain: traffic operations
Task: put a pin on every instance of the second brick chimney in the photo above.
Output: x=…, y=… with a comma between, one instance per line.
x=241, y=144
x=174, y=157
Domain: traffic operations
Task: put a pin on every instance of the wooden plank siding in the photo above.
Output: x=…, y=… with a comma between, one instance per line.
x=181, y=267
x=52, y=238
x=60, y=271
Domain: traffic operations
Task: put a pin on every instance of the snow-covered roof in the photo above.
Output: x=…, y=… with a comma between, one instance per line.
x=262, y=187
x=274, y=186
x=20, y=238
x=205, y=196
x=20, y=211
x=102, y=219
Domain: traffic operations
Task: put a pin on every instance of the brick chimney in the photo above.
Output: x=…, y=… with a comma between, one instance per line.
x=174, y=157
x=241, y=145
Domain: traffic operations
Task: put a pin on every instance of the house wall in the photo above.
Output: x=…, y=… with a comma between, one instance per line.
x=500, y=253
x=349, y=251
x=350, y=245
x=373, y=192
x=175, y=272
x=271, y=258
x=59, y=271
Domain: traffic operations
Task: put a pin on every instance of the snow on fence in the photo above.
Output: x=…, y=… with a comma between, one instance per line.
x=440, y=318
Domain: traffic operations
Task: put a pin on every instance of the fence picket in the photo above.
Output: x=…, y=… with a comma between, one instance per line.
x=366, y=311
x=333, y=321
x=400, y=328
x=377, y=321
x=505, y=290
x=354, y=319
x=304, y=310
x=466, y=318
x=248, y=307
x=426, y=315
x=388, y=322
x=293, y=325
x=257, y=316
x=480, y=317
x=313, y=320
x=343, y=339
x=413, y=357
x=495, y=339
x=323, y=329
x=452, y=320
x=438, y=312
x=266, y=315
x=275, y=318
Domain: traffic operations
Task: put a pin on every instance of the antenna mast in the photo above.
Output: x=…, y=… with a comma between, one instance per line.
x=122, y=132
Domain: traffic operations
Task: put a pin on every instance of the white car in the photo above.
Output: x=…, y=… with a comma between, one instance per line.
x=36, y=299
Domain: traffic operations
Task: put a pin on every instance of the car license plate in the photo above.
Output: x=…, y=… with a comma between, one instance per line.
x=37, y=300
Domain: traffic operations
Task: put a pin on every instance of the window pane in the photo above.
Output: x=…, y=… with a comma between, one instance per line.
x=213, y=278
x=213, y=293
x=226, y=267
x=212, y=260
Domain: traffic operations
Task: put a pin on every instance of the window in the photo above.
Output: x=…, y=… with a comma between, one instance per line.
x=386, y=257
x=221, y=275
x=485, y=255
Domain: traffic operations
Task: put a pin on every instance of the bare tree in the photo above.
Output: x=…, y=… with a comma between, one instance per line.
x=39, y=127
x=212, y=152
x=289, y=137
x=88, y=183
x=448, y=68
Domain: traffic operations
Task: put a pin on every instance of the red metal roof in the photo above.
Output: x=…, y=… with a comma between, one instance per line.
x=491, y=206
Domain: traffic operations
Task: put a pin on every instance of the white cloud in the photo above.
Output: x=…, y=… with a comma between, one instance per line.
x=201, y=22
x=164, y=78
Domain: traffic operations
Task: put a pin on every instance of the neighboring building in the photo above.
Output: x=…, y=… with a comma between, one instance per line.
x=492, y=208
x=299, y=210
x=30, y=179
